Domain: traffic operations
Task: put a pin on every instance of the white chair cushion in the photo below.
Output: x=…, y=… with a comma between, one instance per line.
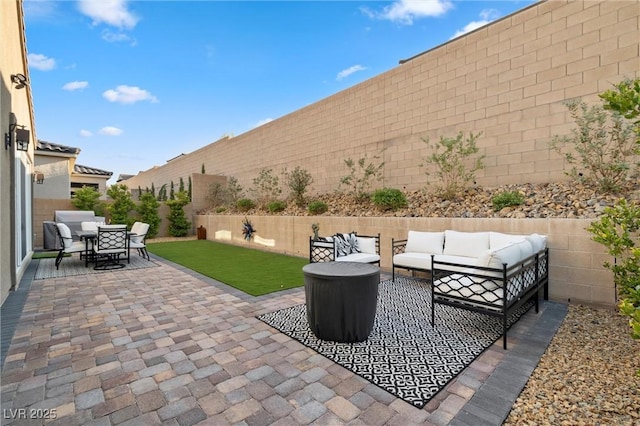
x=359, y=257
x=366, y=245
x=468, y=244
x=424, y=242
x=510, y=254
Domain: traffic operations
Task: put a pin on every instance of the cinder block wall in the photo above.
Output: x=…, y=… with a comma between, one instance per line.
x=507, y=80
x=576, y=273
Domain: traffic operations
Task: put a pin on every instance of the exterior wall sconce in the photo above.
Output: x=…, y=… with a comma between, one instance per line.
x=38, y=177
x=19, y=80
x=22, y=138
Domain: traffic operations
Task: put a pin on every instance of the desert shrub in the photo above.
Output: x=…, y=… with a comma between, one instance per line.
x=361, y=174
x=266, y=187
x=119, y=210
x=389, y=199
x=245, y=204
x=507, y=199
x=217, y=194
x=221, y=209
x=179, y=226
x=88, y=198
x=148, y=211
x=618, y=229
x=624, y=98
x=233, y=190
x=276, y=206
x=298, y=181
x=455, y=167
x=601, y=149
x=317, y=207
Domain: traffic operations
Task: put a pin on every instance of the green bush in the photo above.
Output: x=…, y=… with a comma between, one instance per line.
x=317, y=207
x=245, y=204
x=359, y=178
x=454, y=166
x=119, y=210
x=298, y=182
x=507, y=199
x=389, y=199
x=618, y=229
x=602, y=150
x=221, y=210
x=179, y=226
x=266, y=187
x=148, y=211
x=276, y=206
x=88, y=198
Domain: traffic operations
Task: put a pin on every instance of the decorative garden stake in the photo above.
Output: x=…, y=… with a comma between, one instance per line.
x=247, y=229
x=316, y=228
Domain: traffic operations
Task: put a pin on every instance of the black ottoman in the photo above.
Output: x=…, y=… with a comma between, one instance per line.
x=341, y=299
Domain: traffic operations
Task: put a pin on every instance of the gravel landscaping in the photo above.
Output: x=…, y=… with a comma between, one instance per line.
x=587, y=376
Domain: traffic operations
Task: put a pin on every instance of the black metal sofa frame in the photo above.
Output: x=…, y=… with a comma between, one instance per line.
x=483, y=289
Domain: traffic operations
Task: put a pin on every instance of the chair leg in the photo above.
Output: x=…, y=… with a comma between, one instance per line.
x=59, y=258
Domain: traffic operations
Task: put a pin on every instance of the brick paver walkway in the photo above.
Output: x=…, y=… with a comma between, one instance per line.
x=167, y=346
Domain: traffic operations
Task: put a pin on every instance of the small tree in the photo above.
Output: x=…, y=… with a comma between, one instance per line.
x=266, y=187
x=172, y=192
x=624, y=98
x=202, y=169
x=179, y=226
x=454, y=166
x=298, y=182
x=153, y=189
x=122, y=204
x=233, y=190
x=162, y=193
x=190, y=189
x=148, y=211
x=88, y=198
x=600, y=150
x=360, y=175
x=181, y=185
x=217, y=195
x=619, y=231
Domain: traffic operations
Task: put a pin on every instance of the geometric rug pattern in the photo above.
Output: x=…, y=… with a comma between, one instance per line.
x=404, y=354
x=72, y=265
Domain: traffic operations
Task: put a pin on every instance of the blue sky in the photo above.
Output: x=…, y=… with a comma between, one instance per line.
x=136, y=83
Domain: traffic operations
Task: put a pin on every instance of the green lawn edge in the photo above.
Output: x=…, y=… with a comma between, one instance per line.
x=250, y=270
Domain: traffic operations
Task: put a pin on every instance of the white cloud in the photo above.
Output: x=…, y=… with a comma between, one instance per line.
x=345, y=73
x=75, y=85
x=116, y=37
x=128, y=95
x=86, y=133
x=111, y=131
x=406, y=11
x=486, y=16
x=110, y=12
x=41, y=62
x=265, y=121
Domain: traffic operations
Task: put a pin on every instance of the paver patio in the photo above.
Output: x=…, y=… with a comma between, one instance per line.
x=168, y=346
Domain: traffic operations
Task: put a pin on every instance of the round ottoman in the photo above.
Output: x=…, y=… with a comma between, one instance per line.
x=341, y=299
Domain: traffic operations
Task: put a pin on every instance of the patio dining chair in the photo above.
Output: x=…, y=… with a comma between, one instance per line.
x=111, y=242
x=136, y=239
x=68, y=246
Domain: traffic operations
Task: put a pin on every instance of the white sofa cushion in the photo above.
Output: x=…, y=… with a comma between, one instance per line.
x=424, y=242
x=359, y=257
x=509, y=254
x=468, y=244
x=498, y=239
x=366, y=245
x=413, y=260
x=539, y=242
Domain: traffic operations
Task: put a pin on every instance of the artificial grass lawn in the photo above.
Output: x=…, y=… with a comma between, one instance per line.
x=255, y=272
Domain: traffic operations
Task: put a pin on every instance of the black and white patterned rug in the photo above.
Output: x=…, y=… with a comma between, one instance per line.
x=72, y=265
x=404, y=354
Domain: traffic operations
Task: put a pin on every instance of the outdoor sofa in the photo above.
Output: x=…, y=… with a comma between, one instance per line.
x=349, y=247
x=488, y=272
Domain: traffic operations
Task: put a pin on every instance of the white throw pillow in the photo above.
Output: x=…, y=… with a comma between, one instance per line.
x=509, y=254
x=539, y=242
x=469, y=244
x=424, y=242
x=526, y=249
x=367, y=245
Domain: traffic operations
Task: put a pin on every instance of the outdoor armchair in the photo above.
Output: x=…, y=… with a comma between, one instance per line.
x=67, y=244
x=136, y=239
x=111, y=242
